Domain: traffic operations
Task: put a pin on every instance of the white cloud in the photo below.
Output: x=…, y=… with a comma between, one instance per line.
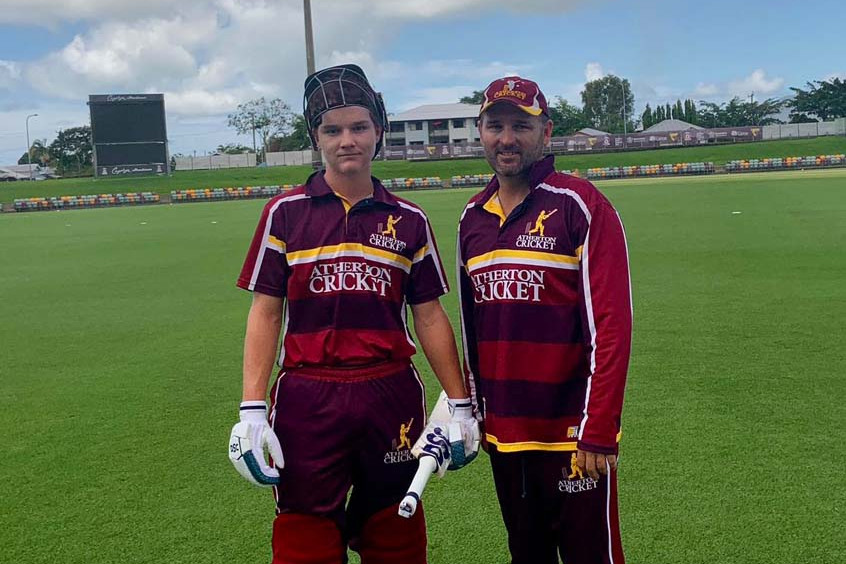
x=10, y=74
x=238, y=48
x=44, y=126
x=378, y=71
x=51, y=12
x=185, y=53
x=9, y=70
x=443, y=95
x=704, y=90
x=209, y=55
x=417, y=9
x=442, y=81
x=468, y=69
x=593, y=71
x=201, y=102
x=756, y=82
x=149, y=55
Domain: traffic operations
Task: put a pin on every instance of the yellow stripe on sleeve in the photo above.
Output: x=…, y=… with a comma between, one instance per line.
x=418, y=256
x=278, y=244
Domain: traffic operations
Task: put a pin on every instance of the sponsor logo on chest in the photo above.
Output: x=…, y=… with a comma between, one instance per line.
x=349, y=276
x=516, y=284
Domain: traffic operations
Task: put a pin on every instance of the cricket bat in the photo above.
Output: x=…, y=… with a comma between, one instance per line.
x=427, y=464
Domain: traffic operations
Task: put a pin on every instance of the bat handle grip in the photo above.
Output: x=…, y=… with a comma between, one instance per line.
x=425, y=469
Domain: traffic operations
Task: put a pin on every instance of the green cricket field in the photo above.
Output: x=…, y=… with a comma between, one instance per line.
x=121, y=366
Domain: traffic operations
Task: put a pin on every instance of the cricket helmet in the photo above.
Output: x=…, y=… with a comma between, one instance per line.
x=338, y=87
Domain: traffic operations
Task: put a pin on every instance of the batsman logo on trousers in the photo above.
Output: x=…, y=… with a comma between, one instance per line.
x=574, y=480
x=401, y=449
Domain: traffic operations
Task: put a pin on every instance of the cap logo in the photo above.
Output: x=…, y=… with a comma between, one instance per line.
x=520, y=92
x=508, y=90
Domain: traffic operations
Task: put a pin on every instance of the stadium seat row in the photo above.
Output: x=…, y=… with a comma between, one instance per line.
x=471, y=180
x=411, y=183
x=85, y=201
x=247, y=192
x=650, y=170
x=217, y=194
x=785, y=163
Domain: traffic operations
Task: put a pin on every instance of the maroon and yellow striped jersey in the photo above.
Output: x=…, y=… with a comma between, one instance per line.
x=546, y=314
x=347, y=273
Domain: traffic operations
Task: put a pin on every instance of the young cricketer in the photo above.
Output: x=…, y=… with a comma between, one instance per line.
x=332, y=266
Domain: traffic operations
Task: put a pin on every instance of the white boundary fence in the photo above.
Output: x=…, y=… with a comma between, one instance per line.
x=288, y=158
x=794, y=130
x=216, y=161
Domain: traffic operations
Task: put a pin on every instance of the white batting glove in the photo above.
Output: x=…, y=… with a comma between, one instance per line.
x=464, y=436
x=248, y=441
x=433, y=442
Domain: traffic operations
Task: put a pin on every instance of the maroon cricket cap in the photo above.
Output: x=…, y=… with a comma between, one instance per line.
x=523, y=93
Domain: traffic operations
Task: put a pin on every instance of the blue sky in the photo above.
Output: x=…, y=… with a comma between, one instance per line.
x=209, y=55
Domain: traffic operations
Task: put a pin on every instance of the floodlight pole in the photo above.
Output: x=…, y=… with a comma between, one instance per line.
x=316, y=159
x=28, y=147
x=623, y=82
x=309, y=37
x=253, y=127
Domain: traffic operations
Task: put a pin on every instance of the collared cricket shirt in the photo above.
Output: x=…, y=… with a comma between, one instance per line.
x=546, y=314
x=347, y=273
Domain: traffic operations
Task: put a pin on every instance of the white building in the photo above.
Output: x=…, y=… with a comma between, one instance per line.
x=25, y=172
x=434, y=123
x=671, y=125
x=591, y=132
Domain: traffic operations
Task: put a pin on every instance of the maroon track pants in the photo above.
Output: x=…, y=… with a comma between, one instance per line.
x=552, y=510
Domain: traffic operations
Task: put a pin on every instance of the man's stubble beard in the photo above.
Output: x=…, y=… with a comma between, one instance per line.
x=528, y=157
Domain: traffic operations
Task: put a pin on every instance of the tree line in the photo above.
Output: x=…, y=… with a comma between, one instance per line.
x=607, y=105
x=70, y=153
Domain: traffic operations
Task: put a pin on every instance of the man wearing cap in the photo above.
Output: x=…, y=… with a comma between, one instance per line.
x=546, y=322
x=332, y=265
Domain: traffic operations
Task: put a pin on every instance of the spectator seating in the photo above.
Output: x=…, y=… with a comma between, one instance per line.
x=413, y=183
x=85, y=201
x=249, y=192
x=785, y=163
x=220, y=194
x=677, y=169
x=471, y=180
